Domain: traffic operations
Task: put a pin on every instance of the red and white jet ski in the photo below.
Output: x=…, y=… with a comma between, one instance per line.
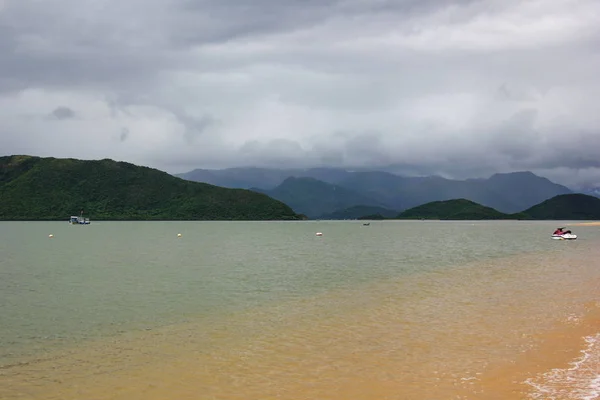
x=561, y=234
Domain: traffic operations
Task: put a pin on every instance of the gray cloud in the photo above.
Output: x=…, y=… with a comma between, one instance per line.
x=63, y=112
x=124, y=135
x=458, y=88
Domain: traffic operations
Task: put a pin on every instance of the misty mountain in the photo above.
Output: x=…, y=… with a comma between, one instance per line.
x=261, y=178
x=590, y=191
x=314, y=198
x=524, y=188
x=505, y=192
x=356, y=212
x=400, y=193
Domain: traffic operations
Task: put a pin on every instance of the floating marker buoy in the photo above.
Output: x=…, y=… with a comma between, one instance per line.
x=179, y=235
x=50, y=236
x=319, y=234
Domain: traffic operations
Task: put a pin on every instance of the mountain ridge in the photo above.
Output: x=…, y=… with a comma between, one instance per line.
x=326, y=174
x=575, y=206
x=314, y=198
x=48, y=188
x=508, y=193
x=456, y=209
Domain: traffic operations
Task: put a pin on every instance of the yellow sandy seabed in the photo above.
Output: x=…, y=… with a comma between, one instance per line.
x=595, y=223
x=490, y=330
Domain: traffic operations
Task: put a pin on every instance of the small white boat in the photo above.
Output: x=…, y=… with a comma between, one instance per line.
x=79, y=220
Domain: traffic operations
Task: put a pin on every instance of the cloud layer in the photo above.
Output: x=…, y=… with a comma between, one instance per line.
x=458, y=88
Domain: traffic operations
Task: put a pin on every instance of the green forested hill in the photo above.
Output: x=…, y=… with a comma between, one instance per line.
x=34, y=188
x=459, y=209
x=567, y=207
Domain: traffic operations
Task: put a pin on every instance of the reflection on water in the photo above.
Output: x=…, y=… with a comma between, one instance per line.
x=360, y=313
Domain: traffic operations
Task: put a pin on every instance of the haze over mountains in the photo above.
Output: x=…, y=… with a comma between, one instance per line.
x=453, y=88
x=34, y=188
x=320, y=192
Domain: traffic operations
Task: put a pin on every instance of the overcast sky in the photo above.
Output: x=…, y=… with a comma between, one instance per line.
x=454, y=87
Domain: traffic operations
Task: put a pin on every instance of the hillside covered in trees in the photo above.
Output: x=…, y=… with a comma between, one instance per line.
x=575, y=206
x=459, y=209
x=34, y=188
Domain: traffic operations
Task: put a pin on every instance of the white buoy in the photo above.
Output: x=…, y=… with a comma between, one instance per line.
x=319, y=234
x=50, y=236
x=179, y=235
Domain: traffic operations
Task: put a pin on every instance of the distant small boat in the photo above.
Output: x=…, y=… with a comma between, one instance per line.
x=75, y=220
x=79, y=220
x=367, y=224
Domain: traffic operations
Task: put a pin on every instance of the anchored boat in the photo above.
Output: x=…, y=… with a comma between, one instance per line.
x=79, y=220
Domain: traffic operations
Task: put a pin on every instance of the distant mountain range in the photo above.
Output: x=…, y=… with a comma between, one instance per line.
x=326, y=192
x=34, y=188
x=316, y=197
x=575, y=206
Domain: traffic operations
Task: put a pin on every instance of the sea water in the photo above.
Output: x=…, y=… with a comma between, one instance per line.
x=259, y=310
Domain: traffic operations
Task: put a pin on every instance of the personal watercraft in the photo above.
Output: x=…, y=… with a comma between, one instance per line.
x=561, y=234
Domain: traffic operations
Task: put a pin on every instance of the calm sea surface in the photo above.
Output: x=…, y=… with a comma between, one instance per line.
x=260, y=310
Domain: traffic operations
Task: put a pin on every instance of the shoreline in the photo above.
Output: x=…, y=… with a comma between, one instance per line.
x=592, y=223
x=420, y=336
x=537, y=371
x=567, y=222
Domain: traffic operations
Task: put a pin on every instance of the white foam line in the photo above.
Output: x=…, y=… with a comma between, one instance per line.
x=581, y=381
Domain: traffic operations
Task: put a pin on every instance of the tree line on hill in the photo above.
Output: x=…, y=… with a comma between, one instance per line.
x=35, y=188
x=562, y=207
